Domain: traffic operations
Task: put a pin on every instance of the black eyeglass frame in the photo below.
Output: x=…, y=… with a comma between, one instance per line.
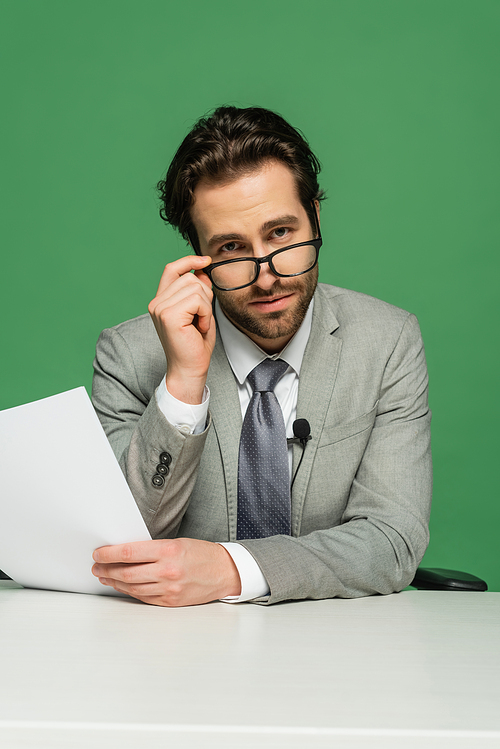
x=316, y=243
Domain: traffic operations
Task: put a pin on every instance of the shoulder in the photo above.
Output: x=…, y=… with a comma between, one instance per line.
x=138, y=334
x=132, y=346
x=353, y=309
x=364, y=324
x=350, y=304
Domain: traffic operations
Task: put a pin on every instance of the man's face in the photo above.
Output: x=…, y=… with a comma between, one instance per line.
x=251, y=217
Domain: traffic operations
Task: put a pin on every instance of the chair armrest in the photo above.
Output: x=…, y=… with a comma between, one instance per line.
x=435, y=578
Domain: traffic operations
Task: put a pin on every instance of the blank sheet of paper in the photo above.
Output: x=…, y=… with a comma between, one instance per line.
x=62, y=494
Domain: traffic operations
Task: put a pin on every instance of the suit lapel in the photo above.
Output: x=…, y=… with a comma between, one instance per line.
x=225, y=410
x=317, y=379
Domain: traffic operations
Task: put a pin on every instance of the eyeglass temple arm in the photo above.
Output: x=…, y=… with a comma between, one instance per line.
x=316, y=219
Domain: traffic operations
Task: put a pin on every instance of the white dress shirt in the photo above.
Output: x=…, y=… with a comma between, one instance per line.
x=243, y=356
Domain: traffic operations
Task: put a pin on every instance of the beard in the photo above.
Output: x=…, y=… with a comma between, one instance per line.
x=271, y=325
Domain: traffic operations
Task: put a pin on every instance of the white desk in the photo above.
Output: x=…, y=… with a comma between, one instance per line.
x=418, y=669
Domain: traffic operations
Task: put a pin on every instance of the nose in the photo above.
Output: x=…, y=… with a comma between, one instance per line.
x=266, y=278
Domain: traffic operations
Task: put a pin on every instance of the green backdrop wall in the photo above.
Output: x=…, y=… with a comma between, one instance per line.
x=399, y=98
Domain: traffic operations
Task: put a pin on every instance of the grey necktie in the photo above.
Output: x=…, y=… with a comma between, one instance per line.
x=263, y=474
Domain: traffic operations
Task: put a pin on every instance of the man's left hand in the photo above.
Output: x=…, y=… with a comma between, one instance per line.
x=169, y=572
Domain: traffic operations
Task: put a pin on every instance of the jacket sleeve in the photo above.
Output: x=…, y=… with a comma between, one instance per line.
x=140, y=434
x=383, y=533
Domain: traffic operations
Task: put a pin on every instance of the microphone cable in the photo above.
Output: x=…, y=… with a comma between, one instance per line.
x=302, y=433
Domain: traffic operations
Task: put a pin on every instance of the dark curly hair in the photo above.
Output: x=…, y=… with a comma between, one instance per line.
x=226, y=145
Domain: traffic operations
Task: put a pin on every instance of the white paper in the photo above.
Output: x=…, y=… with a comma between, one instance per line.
x=62, y=494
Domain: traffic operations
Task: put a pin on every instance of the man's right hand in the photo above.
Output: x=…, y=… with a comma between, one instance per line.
x=182, y=315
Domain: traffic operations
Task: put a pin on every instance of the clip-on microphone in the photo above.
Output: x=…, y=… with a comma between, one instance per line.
x=302, y=433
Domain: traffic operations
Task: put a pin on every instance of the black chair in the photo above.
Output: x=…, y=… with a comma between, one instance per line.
x=435, y=578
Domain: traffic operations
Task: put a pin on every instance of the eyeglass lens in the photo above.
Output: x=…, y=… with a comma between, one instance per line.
x=290, y=262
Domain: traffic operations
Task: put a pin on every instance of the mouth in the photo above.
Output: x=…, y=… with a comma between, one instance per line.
x=272, y=304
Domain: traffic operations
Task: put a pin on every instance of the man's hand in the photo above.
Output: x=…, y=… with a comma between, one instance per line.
x=182, y=315
x=169, y=572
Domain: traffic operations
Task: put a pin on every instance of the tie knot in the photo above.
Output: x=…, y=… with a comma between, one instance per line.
x=267, y=374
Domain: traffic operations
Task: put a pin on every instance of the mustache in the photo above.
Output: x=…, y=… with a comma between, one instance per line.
x=276, y=288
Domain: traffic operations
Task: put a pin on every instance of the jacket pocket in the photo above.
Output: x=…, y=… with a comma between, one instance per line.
x=339, y=432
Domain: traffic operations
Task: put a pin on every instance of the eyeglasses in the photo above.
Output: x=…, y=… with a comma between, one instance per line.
x=295, y=260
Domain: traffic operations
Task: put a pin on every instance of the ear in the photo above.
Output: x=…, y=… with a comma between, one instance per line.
x=316, y=205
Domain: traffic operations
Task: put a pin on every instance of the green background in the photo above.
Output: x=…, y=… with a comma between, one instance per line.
x=399, y=98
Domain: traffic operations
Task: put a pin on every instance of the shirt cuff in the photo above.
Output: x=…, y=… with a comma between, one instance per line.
x=186, y=417
x=253, y=582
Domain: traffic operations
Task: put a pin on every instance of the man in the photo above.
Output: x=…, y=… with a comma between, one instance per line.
x=202, y=444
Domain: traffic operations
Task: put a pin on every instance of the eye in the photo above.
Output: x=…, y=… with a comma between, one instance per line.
x=280, y=232
x=230, y=247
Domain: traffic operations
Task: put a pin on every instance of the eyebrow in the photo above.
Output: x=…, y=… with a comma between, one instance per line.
x=279, y=221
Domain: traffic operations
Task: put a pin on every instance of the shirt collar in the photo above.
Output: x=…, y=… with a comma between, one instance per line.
x=244, y=355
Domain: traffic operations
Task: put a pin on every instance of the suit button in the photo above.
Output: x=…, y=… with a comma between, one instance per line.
x=162, y=469
x=166, y=459
x=157, y=481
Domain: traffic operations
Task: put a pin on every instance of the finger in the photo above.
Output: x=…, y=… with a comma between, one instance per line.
x=114, y=579
x=155, y=597
x=154, y=592
x=184, y=311
x=138, y=590
x=205, y=322
x=185, y=294
x=138, y=551
x=127, y=573
x=180, y=267
x=187, y=280
x=186, y=287
x=188, y=306
x=203, y=278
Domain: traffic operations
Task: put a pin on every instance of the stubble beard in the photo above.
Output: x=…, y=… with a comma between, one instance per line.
x=276, y=324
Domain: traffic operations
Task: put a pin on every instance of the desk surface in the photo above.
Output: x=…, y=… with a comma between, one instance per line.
x=417, y=669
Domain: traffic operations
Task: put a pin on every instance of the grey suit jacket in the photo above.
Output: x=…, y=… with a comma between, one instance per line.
x=361, y=499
